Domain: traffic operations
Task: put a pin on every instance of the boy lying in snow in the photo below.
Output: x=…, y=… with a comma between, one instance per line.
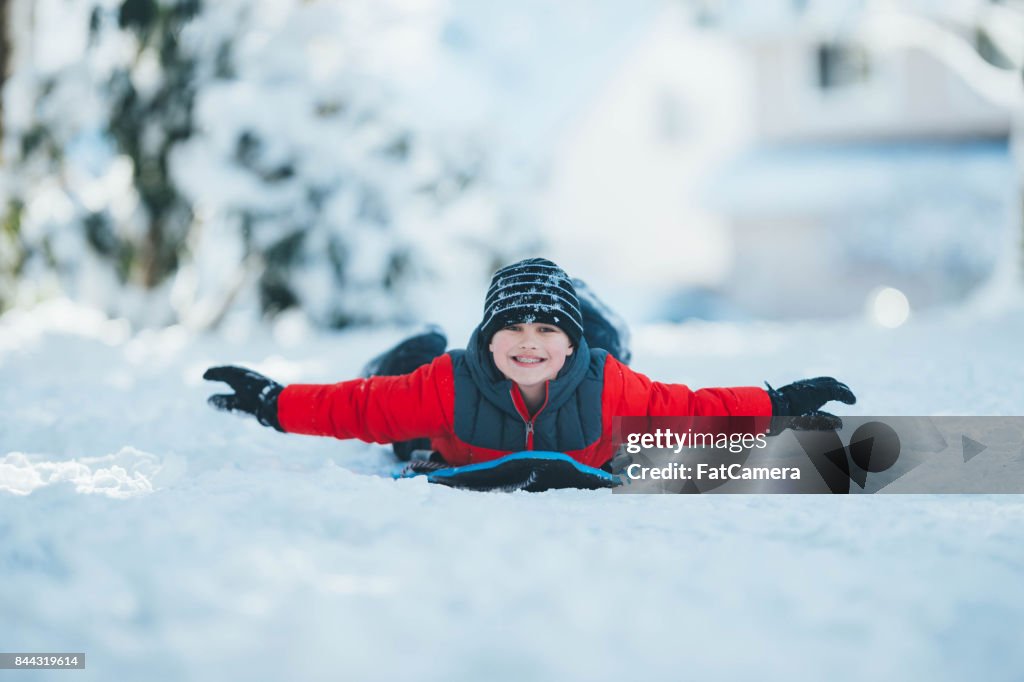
x=528, y=380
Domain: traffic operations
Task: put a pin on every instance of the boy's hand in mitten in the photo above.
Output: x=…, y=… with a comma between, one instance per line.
x=801, y=401
x=253, y=394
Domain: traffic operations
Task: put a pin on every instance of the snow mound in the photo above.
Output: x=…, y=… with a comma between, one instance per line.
x=126, y=473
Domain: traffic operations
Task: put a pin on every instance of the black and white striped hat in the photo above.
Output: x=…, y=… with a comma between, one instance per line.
x=532, y=290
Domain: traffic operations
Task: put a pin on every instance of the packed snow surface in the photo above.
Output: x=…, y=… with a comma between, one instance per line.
x=168, y=541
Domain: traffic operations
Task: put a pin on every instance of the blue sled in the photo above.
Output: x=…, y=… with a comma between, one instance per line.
x=533, y=471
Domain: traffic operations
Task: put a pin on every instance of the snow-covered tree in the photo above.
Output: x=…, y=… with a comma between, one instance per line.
x=172, y=160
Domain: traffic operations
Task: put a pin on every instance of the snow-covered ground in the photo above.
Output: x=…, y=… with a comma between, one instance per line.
x=171, y=542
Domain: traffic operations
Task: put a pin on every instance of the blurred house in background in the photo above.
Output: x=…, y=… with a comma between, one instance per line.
x=771, y=159
x=872, y=170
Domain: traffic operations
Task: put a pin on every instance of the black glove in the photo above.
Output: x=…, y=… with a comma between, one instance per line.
x=254, y=393
x=801, y=401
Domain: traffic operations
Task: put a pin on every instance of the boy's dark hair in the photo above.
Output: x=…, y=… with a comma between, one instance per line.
x=534, y=290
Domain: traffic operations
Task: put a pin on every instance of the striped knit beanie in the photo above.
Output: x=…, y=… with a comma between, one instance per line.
x=534, y=290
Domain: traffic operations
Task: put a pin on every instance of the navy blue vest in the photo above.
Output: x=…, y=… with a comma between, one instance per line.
x=486, y=417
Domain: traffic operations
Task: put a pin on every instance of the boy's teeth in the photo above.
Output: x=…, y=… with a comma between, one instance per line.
x=528, y=359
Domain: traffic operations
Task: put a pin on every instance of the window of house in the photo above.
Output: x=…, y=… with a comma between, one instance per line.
x=840, y=66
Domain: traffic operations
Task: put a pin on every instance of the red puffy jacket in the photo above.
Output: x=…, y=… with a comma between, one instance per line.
x=425, y=403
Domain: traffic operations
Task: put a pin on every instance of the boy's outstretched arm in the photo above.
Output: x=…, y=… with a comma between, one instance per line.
x=634, y=394
x=799, y=404
x=380, y=409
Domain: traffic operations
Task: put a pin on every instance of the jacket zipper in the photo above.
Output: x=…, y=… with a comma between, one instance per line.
x=517, y=399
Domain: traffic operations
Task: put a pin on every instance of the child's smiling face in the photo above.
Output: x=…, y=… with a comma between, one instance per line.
x=530, y=354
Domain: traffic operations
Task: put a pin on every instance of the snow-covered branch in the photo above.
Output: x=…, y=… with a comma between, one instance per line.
x=888, y=29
